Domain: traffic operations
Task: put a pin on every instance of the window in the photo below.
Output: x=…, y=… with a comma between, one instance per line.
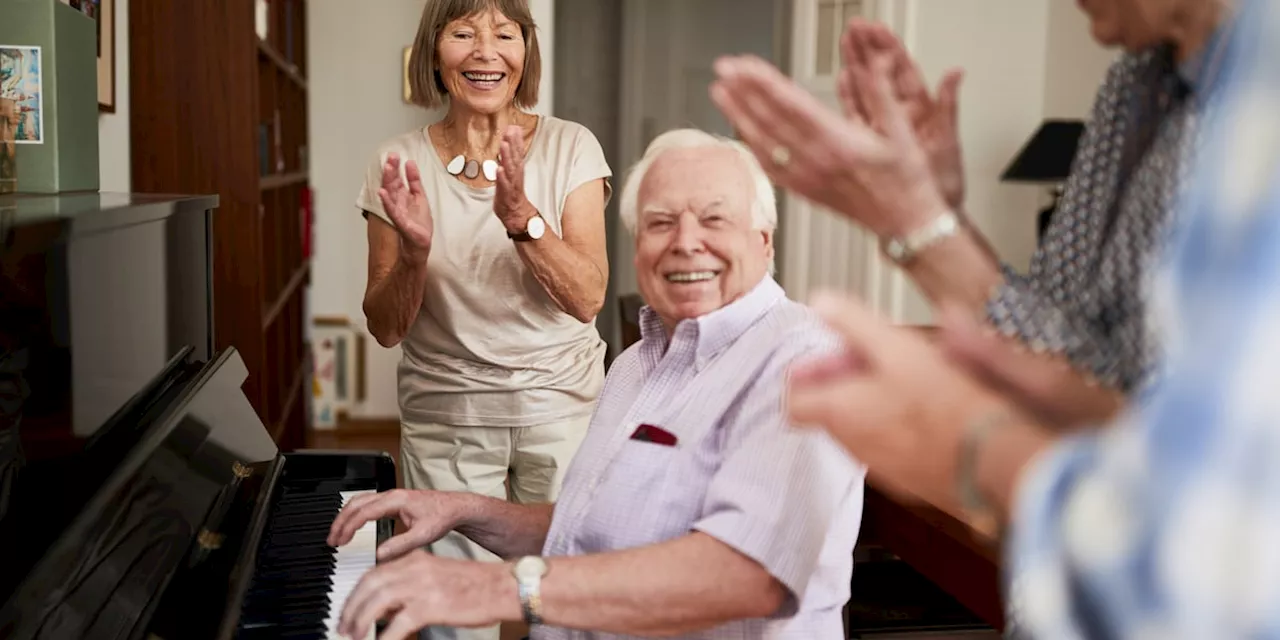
x=833, y=15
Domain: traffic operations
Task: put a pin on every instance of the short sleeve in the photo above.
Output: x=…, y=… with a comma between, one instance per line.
x=588, y=163
x=782, y=492
x=368, y=199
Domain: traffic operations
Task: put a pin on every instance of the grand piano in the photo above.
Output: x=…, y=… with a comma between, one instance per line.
x=140, y=494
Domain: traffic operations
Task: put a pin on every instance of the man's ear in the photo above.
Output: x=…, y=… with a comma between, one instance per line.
x=768, y=242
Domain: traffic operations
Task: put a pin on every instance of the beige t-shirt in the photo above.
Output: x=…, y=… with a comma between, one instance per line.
x=489, y=346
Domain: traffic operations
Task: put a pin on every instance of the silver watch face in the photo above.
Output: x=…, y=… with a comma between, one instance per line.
x=529, y=567
x=537, y=226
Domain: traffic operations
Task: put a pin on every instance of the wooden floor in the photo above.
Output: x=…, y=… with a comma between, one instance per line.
x=380, y=435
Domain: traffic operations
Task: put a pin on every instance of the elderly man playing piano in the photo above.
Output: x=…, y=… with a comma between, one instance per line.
x=693, y=509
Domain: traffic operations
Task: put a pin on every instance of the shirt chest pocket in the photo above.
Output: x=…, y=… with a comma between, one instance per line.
x=648, y=493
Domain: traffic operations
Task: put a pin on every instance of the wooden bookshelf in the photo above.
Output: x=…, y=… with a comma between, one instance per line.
x=214, y=108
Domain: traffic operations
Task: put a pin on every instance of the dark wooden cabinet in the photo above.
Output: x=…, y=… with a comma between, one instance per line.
x=214, y=108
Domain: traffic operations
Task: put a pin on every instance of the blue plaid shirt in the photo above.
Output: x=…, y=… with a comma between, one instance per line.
x=1167, y=524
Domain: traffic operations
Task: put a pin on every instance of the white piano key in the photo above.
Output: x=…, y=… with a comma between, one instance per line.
x=352, y=561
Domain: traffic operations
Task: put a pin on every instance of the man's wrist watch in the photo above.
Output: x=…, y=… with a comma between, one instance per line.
x=533, y=229
x=529, y=572
x=903, y=249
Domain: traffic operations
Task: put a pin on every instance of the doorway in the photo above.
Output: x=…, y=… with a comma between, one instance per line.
x=632, y=69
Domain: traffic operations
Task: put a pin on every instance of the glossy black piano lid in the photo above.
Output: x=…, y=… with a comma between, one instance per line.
x=99, y=294
x=199, y=454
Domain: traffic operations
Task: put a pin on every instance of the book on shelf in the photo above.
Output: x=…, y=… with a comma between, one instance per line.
x=264, y=149
x=288, y=34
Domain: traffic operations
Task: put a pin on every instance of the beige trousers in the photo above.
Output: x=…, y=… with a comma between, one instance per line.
x=523, y=464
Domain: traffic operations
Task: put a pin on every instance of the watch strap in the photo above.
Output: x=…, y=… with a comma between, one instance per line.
x=525, y=236
x=531, y=600
x=904, y=249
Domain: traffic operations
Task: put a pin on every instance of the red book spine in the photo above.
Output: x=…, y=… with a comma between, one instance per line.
x=308, y=218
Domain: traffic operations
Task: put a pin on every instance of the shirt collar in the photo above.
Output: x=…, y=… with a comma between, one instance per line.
x=714, y=331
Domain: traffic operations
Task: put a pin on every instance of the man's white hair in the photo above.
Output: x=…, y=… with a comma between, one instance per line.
x=764, y=212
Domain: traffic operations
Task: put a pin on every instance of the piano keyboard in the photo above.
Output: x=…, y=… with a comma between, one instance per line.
x=301, y=583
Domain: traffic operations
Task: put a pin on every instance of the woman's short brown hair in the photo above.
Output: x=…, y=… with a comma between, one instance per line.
x=426, y=87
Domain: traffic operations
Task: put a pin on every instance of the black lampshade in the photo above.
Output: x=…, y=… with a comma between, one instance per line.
x=1047, y=156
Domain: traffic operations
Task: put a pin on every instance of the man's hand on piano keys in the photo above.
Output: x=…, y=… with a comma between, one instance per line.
x=428, y=515
x=419, y=590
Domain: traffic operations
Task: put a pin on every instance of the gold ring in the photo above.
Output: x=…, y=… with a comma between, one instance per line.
x=781, y=155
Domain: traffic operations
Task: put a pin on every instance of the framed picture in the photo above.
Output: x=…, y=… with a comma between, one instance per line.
x=22, y=88
x=105, y=13
x=408, y=90
x=337, y=352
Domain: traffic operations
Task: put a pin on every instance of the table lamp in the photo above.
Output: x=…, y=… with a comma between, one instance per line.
x=1046, y=159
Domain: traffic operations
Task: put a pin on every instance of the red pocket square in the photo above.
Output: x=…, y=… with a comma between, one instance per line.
x=656, y=435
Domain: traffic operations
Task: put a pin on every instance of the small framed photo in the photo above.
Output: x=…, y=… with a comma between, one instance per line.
x=22, y=87
x=408, y=89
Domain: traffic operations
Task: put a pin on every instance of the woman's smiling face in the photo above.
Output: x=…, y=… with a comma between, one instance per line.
x=481, y=60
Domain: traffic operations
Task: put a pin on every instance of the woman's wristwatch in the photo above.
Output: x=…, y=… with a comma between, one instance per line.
x=533, y=229
x=903, y=250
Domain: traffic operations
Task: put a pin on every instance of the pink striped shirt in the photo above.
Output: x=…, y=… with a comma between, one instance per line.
x=789, y=498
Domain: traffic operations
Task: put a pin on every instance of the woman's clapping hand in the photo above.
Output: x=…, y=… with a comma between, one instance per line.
x=510, y=203
x=935, y=118
x=406, y=204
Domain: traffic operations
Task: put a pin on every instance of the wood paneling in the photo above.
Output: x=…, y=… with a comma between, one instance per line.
x=203, y=87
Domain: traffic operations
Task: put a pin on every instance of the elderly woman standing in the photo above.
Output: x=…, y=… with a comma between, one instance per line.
x=487, y=263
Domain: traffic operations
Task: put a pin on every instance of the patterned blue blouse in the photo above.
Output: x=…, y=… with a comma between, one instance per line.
x=1085, y=293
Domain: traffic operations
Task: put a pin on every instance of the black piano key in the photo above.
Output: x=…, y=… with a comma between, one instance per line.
x=273, y=570
x=298, y=538
x=318, y=564
x=268, y=591
x=285, y=555
x=303, y=505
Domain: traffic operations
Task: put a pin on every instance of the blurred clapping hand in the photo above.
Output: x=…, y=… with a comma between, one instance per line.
x=873, y=170
x=892, y=163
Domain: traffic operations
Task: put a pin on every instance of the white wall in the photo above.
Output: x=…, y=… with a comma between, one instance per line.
x=1001, y=45
x=355, y=104
x=1074, y=63
x=113, y=128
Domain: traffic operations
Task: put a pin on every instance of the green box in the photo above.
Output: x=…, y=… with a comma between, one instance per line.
x=64, y=155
